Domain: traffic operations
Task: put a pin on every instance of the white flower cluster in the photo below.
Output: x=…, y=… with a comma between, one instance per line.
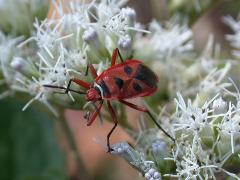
x=168, y=43
x=171, y=42
x=203, y=74
x=77, y=33
x=207, y=135
x=234, y=39
x=7, y=52
x=189, y=165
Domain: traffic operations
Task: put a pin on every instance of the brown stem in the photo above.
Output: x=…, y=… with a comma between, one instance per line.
x=82, y=172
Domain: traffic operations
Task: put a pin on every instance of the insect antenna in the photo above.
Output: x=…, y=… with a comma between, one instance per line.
x=66, y=89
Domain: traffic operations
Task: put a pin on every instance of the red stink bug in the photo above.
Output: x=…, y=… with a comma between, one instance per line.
x=126, y=80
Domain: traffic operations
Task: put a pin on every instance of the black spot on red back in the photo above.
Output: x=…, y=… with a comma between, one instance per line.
x=145, y=75
x=137, y=87
x=128, y=70
x=97, y=89
x=119, y=82
x=106, y=92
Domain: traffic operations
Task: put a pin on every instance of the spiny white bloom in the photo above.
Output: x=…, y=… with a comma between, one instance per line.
x=90, y=35
x=125, y=43
x=213, y=83
x=187, y=78
x=230, y=125
x=234, y=39
x=7, y=51
x=207, y=67
x=121, y=23
x=169, y=47
x=57, y=74
x=72, y=16
x=219, y=106
x=189, y=119
x=213, y=126
x=107, y=8
x=109, y=17
x=172, y=41
x=34, y=88
x=46, y=36
x=210, y=55
x=188, y=162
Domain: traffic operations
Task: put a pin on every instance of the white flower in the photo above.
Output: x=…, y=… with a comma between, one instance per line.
x=230, y=125
x=171, y=42
x=125, y=43
x=210, y=55
x=219, y=105
x=214, y=83
x=188, y=77
x=121, y=23
x=234, y=39
x=72, y=16
x=7, y=52
x=191, y=119
x=192, y=161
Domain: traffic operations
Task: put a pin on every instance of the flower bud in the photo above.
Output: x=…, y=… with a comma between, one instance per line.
x=125, y=43
x=22, y=66
x=219, y=106
x=152, y=174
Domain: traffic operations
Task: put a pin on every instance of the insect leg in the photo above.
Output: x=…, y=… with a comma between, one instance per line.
x=93, y=71
x=143, y=109
x=79, y=82
x=60, y=87
x=114, y=118
x=114, y=56
x=94, y=114
x=99, y=114
x=67, y=89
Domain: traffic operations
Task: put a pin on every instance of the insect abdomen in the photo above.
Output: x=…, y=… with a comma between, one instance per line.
x=145, y=75
x=129, y=80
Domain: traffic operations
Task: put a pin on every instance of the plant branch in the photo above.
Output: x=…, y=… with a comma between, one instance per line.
x=82, y=172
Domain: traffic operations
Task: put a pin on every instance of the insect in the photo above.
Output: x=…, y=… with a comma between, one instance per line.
x=126, y=80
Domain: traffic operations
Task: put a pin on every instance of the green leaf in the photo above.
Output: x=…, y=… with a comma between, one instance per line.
x=28, y=144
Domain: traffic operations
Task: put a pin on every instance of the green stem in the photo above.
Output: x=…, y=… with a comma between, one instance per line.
x=82, y=172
